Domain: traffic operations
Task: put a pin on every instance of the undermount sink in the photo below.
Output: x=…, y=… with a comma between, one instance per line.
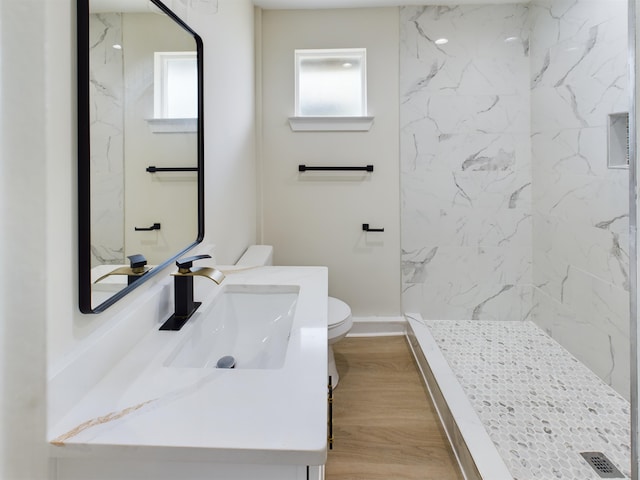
x=251, y=323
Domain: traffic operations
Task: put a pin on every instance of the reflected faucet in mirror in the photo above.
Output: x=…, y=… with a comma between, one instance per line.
x=136, y=269
x=185, y=307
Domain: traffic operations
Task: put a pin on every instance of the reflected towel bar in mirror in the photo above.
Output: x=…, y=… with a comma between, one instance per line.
x=154, y=169
x=367, y=168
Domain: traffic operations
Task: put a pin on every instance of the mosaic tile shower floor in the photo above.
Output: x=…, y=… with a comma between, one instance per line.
x=540, y=406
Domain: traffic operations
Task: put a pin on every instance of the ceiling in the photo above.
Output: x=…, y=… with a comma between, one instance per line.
x=281, y=4
x=98, y=6
x=144, y=5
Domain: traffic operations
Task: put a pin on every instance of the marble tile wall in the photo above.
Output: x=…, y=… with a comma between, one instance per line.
x=509, y=211
x=580, y=207
x=466, y=162
x=107, y=139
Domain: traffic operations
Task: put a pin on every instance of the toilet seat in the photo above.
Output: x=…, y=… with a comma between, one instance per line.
x=339, y=312
x=339, y=319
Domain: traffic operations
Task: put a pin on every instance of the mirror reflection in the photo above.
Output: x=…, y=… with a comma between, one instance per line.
x=144, y=142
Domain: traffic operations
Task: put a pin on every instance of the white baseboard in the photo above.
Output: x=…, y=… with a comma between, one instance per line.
x=378, y=326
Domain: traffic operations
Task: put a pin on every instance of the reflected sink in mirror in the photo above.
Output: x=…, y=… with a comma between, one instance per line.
x=251, y=323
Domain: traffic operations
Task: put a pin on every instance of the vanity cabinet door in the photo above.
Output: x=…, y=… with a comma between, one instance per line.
x=316, y=473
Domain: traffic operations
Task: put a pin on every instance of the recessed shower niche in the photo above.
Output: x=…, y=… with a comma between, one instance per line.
x=618, y=140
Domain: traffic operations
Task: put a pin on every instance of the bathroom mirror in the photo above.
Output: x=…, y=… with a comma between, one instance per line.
x=140, y=145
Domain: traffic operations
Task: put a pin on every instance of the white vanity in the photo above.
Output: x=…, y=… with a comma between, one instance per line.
x=164, y=411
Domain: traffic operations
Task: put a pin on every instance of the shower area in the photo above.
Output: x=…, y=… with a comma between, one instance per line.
x=516, y=273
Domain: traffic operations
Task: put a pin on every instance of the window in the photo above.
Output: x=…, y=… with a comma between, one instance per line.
x=330, y=90
x=331, y=82
x=176, y=85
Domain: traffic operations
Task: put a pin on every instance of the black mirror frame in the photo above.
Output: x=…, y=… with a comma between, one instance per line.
x=84, y=163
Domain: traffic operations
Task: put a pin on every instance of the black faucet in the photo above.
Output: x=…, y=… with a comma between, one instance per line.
x=183, y=290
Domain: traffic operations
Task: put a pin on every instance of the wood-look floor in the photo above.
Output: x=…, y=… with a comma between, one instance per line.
x=384, y=424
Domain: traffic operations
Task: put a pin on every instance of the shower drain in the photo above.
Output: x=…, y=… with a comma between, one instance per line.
x=602, y=465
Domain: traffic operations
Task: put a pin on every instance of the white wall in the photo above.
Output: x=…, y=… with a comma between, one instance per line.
x=28, y=158
x=316, y=218
x=39, y=320
x=229, y=77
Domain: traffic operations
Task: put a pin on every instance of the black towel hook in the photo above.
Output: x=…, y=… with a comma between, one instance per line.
x=155, y=226
x=365, y=227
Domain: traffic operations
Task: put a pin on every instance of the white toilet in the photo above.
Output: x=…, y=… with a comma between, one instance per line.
x=340, y=322
x=339, y=313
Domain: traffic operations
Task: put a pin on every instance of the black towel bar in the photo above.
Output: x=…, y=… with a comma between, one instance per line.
x=367, y=168
x=154, y=169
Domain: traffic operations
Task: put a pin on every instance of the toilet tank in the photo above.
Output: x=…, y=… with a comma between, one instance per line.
x=256, y=256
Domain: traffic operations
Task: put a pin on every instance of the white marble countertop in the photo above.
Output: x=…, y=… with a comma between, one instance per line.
x=144, y=410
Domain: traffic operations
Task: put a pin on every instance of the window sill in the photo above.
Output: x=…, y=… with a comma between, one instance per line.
x=330, y=124
x=173, y=125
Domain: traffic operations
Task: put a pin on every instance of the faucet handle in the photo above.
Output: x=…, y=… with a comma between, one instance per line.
x=137, y=261
x=187, y=263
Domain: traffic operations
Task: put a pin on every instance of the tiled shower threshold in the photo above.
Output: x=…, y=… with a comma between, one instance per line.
x=515, y=404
